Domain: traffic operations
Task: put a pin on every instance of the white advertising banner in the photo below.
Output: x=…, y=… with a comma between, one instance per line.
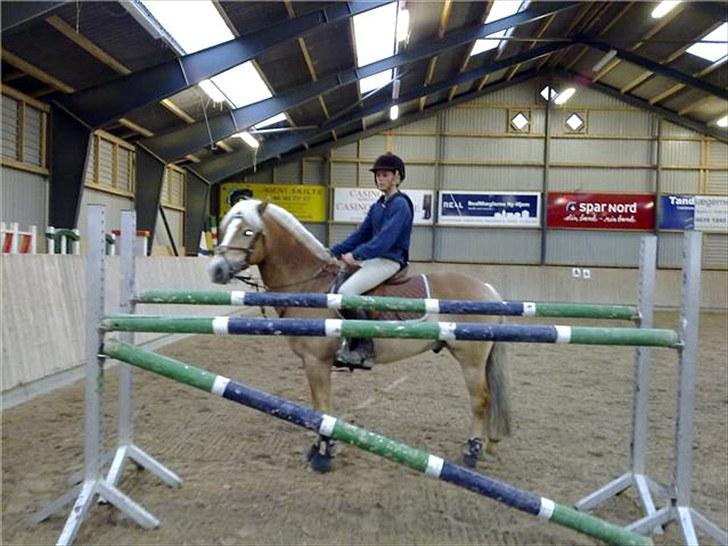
x=352, y=204
x=711, y=213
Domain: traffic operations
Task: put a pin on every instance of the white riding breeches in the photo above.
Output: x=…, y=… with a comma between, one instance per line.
x=371, y=273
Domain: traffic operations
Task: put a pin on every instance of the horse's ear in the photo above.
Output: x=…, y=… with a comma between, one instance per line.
x=263, y=205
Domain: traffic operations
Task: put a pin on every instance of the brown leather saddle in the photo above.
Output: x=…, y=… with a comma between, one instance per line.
x=401, y=285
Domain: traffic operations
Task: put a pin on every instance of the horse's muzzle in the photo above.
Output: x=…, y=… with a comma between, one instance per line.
x=219, y=270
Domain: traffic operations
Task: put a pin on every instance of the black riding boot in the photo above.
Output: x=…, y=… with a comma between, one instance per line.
x=356, y=352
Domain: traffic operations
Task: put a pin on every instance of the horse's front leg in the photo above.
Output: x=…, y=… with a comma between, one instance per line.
x=318, y=372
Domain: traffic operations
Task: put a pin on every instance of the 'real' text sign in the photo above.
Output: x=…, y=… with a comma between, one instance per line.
x=600, y=211
x=500, y=209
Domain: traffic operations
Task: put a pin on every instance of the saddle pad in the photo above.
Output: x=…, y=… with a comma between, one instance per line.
x=409, y=287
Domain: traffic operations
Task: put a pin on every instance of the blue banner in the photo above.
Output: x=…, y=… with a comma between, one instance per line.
x=490, y=209
x=677, y=212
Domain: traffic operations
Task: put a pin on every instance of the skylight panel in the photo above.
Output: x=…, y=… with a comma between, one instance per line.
x=242, y=84
x=499, y=10
x=374, y=35
x=194, y=25
x=715, y=50
x=375, y=82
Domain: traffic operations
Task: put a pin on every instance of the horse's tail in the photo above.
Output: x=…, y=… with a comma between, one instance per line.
x=497, y=376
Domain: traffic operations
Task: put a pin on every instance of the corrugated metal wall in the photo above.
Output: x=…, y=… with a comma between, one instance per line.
x=23, y=198
x=472, y=146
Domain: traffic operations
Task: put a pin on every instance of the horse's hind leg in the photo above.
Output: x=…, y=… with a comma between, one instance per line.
x=318, y=372
x=472, y=358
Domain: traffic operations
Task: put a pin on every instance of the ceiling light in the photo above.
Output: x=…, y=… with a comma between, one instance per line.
x=663, y=8
x=601, y=63
x=212, y=91
x=564, y=95
x=403, y=25
x=394, y=112
x=722, y=122
x=249, y=139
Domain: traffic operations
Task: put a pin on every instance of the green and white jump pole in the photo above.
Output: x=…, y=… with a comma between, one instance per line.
x=337, y=429
x=377, y=303
x=470, y=331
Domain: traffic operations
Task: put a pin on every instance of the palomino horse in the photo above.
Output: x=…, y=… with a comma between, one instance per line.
x=291, y=259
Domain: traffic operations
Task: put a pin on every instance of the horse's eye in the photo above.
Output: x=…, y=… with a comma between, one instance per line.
x=248, y=232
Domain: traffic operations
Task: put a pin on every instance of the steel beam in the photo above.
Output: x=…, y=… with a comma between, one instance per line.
x=178, y=143
x=196, y=207
x=219, y=168
x=660, y=69
x=664, y=113
x=148, y=190
x=108, y=102
x=411, y=118
x=15, y=14
x=68, y=150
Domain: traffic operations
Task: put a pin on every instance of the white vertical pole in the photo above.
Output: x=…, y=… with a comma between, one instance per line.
x=14, y=242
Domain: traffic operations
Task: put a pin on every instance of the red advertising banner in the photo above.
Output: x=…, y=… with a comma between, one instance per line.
x=600, y=211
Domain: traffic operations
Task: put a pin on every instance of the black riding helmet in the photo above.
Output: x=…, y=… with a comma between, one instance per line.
x=389, y=162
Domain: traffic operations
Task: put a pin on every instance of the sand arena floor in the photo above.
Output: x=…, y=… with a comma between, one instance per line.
x=245, y=480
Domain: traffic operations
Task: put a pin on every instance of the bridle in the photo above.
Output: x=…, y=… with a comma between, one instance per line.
x=220, y=251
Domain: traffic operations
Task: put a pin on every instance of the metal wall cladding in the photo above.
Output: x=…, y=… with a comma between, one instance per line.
x=718, y=155
x=716, y=183
x=595, y=248
x=487, y=245
x=348, y=150
x=715, y=250
x=519, y=94
x=32, y=136
x=315, y=172
x=114, y=205
x=633, y=123
x=88, y=177
x=176, y=221
x=320, y=231
x=427, y=125
x=411, y=148
x=421, y=244
x=10, y=128
x=496, y=150
x=487, y=178
x=679, y=181
x=106, y=155
x=421, y=177
x=670, y=130
x=288, y=173
x=680, y=152
x=23, y=198
x=670, y=247
x=345, y=174
x=374, y=146
x=475, y=120
x=601, y=152
x=261, y=177
x=583, y=179
x=590, y=98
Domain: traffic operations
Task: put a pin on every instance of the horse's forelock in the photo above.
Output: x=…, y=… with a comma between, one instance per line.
x=247, y=209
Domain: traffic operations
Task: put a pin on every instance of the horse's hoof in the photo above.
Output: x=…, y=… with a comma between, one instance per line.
x=470, y=460
x=320, y=463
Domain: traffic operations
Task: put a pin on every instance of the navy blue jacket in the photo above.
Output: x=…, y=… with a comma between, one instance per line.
x=384, y=233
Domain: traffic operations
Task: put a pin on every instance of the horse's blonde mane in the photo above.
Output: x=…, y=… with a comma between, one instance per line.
x=248, y=210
